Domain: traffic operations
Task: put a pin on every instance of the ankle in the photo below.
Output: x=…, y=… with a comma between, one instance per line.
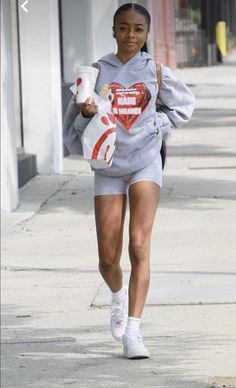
x=119, y=296
x=133, y=326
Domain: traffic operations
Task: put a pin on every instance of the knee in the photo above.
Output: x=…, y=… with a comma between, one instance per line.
x=106, y=266
x=107, y=262
x=139, y=248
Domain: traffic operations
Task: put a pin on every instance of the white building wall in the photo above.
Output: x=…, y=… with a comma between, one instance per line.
x=77, y=44
x=41, y=84
x=102, y=22
x=16, y=74
x=86, y=33
x=9, y=178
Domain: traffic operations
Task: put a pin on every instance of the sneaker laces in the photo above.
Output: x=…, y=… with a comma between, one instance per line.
x=117, y=312
x=135, y=337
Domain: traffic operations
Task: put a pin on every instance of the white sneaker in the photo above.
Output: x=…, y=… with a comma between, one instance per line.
x=134, y=347
x=119, y=316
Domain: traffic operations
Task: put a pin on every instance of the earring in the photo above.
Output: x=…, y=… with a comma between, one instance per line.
x=148, y=37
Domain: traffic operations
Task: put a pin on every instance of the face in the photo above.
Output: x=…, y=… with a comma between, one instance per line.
x=130, y=30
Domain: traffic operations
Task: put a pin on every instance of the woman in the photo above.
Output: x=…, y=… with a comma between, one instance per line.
x=136, y=172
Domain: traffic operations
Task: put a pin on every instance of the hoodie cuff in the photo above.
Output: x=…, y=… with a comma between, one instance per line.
x=165, y=125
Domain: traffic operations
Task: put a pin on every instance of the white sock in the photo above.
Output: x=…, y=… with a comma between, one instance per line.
x=132, y=326
x=118, y=296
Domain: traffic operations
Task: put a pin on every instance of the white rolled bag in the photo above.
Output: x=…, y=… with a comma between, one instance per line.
x=99, y=137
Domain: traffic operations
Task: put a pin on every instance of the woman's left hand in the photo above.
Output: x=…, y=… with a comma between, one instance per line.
x=87, y=108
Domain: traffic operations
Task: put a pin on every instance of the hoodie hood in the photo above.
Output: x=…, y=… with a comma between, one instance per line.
x=112, y=69
x=113, y=61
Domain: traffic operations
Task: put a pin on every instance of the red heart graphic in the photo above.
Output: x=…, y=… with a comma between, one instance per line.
x=128, y=104
x=79, y=81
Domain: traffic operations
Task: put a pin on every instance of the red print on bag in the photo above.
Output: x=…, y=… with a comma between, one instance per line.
x=79, y=81
x=101, y=147
x=129, y=104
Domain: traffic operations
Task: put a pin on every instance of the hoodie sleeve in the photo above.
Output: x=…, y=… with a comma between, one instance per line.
x=73, y=128
x=175, y=103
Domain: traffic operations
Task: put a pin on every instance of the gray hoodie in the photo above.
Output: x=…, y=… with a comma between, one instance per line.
x=142, y=120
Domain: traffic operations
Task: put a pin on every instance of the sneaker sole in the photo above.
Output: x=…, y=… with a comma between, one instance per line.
x=136, y=357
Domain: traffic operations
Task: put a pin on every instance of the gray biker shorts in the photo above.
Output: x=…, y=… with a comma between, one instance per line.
x=111, y=185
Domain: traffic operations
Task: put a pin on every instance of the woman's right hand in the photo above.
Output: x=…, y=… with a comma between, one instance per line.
x=87, y=108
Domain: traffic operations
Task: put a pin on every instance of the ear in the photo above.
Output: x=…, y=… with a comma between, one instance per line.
x=113, y=34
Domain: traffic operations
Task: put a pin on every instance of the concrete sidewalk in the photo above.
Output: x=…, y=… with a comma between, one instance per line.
x=55, y=313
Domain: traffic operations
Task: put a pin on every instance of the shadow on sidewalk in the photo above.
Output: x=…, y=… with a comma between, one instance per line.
x=85, y=356
x=189, y=191
x=211, y=118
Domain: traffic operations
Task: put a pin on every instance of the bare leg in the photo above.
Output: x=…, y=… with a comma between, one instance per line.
x=143, y=197
x=110, y=215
